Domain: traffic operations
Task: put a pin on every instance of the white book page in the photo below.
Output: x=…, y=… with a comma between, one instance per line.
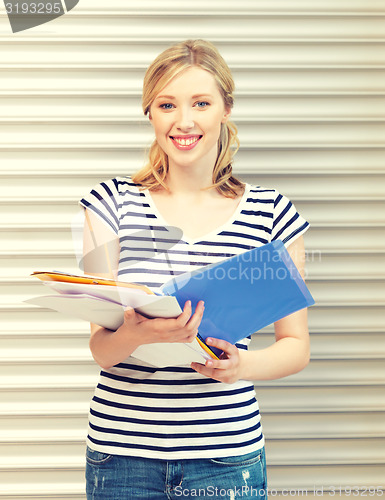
x=155, y=306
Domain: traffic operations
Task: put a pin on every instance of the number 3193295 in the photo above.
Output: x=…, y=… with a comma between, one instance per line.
x=34, y=8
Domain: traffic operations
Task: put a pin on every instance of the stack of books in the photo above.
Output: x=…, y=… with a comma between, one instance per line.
x=242, y=294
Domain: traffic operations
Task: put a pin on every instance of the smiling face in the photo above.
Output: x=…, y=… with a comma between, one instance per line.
x=187, y=115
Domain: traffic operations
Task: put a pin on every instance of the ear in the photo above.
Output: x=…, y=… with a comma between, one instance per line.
x=149, y=113
x=226, y=115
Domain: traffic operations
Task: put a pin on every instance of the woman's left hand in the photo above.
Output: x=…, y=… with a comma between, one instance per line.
x=225, y=369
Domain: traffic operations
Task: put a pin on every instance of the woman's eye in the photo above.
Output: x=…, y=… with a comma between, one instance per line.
x=166, y=105
x=202, y=104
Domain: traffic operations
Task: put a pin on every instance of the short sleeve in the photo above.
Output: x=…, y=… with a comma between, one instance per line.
x=288, y=224
x=103, y=200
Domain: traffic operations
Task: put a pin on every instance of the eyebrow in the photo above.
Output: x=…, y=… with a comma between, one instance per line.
x=196, y=96
x=164, y=97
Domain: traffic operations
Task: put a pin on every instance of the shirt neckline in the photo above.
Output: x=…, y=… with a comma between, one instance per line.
x=215, y=232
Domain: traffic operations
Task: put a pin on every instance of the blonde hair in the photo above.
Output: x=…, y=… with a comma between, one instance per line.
x=170, y=63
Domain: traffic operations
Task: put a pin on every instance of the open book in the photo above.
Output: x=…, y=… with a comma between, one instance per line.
x=242, y=294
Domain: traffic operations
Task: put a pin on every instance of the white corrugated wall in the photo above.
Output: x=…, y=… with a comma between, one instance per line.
x=310, y=104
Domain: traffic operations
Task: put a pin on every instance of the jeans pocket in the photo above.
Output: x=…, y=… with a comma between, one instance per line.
x=94, y=457
x=241, y=460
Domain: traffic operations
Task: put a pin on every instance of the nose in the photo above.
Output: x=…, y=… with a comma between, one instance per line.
x=185, y=119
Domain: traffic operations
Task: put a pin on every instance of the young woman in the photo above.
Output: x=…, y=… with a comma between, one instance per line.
x=183, y=431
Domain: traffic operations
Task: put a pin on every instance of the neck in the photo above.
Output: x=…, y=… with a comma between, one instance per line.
x=189, y=181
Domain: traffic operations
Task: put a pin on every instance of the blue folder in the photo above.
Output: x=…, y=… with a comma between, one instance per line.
x=244, y=293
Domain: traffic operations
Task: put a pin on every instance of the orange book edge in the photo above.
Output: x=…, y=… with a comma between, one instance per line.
x=206, y=348
x=85, y=280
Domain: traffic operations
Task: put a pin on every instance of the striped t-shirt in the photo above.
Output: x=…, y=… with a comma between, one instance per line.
x=175, y=413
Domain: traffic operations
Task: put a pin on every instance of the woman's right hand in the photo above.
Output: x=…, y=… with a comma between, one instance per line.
x=139, y=330
x=110, y=348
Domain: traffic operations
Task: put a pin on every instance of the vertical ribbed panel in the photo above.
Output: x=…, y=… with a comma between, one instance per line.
x=310, y=106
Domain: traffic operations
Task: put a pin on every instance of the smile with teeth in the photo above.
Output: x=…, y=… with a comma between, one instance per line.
x=185, y=142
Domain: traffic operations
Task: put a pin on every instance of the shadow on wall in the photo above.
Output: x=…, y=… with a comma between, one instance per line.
x=25, y=15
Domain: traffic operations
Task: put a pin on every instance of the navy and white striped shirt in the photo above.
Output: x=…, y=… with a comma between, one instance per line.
x=175, y=413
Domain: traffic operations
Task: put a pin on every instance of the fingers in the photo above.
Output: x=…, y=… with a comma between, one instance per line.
x=225, y=369
x=181, y=329
x=186, y=314
x=228, y=350
x=196, y=318
x=185, y=317
x=187, y=325
x=129, y=314
x=187, y=322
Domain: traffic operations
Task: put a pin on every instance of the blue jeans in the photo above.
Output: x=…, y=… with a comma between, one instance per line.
x=114, y=477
